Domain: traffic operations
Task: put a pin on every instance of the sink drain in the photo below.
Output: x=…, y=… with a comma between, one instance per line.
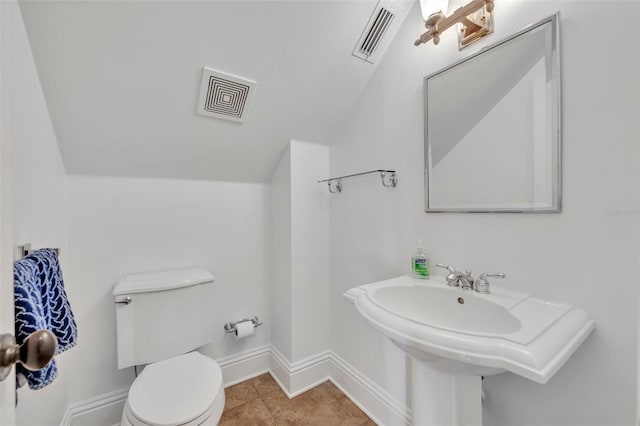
x=461, y=300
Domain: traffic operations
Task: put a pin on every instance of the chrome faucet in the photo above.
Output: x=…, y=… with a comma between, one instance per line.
x=466, y=281
x=458, y=279
x=481, y=285
x=452, y=277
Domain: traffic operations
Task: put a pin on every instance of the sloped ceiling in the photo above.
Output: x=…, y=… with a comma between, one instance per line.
x=121, y=79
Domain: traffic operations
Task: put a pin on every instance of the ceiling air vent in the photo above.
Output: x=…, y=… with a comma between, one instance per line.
x=225, y=96
x=376, y=29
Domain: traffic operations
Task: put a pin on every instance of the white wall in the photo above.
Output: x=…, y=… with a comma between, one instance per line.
x=300, y=251
x=280, y=254
x=309, y=249
x=39, y=188
x=586, y=256
x=127, y=225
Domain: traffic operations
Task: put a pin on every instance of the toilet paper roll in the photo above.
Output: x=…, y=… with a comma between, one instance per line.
x=244, y=329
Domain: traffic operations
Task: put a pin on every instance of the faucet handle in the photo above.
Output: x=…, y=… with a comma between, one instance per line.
x=452, y=276
x=481, y=284
x=450, y=268
x=495, y=274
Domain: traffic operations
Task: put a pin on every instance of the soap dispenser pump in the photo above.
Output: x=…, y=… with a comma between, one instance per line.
x=420, y=263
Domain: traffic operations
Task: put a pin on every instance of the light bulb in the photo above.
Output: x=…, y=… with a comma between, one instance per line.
x=429, y=7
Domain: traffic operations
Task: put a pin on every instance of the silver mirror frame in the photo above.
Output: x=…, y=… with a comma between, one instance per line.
x=556, y=116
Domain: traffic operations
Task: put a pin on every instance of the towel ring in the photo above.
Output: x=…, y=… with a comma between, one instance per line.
x=35, y=353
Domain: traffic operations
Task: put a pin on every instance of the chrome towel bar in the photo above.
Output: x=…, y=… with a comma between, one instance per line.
x=389, y=179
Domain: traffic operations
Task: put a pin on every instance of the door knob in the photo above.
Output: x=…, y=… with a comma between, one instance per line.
x=34, y=353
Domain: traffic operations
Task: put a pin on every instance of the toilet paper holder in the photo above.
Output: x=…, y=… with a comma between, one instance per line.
x=230, y=327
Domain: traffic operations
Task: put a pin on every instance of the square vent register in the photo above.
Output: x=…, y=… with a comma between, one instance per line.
x=225, y=96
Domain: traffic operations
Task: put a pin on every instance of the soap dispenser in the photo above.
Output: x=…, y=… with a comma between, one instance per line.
x=420, y=263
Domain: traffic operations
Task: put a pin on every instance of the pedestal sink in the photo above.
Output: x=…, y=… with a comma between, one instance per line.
x=455, y=336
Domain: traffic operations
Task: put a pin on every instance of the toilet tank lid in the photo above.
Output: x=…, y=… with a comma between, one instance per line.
x=159, y=281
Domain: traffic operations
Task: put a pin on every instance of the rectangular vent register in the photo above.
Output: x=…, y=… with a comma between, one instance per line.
x=372, y=37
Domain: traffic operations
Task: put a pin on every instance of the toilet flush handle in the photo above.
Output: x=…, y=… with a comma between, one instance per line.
x=124, y=301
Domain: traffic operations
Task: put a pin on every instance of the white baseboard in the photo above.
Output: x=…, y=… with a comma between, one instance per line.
x=102, y=410
x=240, y=367
x=300, y=376
x=293, y=377
x=376, y=402
x=297, y=377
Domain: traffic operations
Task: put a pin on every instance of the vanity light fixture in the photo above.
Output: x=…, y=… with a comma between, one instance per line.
x=475, y=20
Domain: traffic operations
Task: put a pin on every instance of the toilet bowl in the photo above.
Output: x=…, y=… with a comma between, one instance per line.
x=184, y=390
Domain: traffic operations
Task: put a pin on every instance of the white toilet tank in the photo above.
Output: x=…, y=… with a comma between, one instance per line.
x=168, y=314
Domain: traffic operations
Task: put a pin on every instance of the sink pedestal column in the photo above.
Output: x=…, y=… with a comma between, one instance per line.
x=440, y=397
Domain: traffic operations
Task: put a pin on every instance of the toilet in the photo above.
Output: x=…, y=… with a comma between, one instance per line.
x=161, y=319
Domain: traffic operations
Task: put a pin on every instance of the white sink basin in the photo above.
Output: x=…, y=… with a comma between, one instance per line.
x=447, y=308
x=470, y=333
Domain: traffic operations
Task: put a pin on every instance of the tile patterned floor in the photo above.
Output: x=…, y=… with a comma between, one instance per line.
x=260, y=401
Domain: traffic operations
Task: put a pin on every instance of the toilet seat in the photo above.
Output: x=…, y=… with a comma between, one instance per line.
x=185, y=390
x=205, y=419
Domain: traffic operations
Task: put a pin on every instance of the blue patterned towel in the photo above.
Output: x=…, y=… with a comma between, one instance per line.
x=41, y=303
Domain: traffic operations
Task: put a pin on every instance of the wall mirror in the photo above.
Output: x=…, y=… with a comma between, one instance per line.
x=492, y=127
